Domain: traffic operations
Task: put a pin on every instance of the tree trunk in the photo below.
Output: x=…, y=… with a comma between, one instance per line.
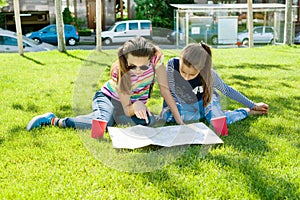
x=288, y=23
x=98, y=25
x=250, y=22
x=18, y=26
x=60, y=27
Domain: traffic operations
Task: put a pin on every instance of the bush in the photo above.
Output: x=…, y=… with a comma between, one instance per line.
x=67, y=16
x=85, y=32
x=79, y=23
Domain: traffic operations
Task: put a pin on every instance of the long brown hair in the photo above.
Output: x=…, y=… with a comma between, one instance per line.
x=139, y=47
x=199, y=56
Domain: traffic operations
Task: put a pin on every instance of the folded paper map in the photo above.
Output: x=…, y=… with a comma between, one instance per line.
x=141, y=136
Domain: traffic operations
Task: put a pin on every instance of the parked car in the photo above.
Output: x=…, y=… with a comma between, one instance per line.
x=49, y=34
x=261, y=35
x=297, y=38
x=199, y=32
x=9, y=43
x=124, y=30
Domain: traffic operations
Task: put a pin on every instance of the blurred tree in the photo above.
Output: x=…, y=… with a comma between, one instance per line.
x=158, y=11
x=61, y=45
x=3, y=3
x=2, y=20
x=67, y=16
x=18, y=26
x=2, y=17
x=118, y=5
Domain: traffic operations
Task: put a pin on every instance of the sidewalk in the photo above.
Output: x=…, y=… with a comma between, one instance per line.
x=87, y=39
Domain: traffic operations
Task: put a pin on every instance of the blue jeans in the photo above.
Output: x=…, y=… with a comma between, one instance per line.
x=108, y=109
x=196, y=111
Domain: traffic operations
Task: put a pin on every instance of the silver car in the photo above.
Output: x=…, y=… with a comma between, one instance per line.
x=261, y=35
x=9, y=43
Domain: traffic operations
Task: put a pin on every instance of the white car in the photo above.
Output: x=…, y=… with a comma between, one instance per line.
x=261, y=35
x=124, y=30
x=9, y=43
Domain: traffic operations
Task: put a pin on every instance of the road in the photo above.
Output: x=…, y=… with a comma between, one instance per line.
x=92, y=47
x=162, y=46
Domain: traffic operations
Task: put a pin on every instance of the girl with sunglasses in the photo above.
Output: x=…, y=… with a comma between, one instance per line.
x=194, y=84
x=122, y=99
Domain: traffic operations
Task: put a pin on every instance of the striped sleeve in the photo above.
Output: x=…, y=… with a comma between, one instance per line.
x=170, y=76
x=230, y=92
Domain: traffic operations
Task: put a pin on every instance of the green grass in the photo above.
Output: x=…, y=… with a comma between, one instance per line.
x=258, y=160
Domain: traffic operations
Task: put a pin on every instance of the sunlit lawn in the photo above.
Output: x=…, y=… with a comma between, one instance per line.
x=258, y=160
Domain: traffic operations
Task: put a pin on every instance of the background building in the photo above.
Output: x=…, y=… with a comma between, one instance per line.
x=36, y=14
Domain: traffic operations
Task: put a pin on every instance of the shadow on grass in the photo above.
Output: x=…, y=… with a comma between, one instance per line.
x=280, y=104
x=195, y=153
x=33, y=60
x=253, y=66
x=1, y=141
x=187, y=161
x=170, y=190
x=29, y=107
x=287, y=85
x=75, y=57
x=241, y=84
x=91, y=59
x=260, y=182
x=15, y=132
x=242, y=142
x=244, y=78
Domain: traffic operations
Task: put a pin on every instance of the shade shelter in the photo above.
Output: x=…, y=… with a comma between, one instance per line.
x=185, y=14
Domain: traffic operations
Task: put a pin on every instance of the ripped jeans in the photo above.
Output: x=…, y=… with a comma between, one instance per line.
x=196, y=111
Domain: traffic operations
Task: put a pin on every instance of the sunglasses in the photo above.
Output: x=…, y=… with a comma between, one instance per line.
x=143, y=67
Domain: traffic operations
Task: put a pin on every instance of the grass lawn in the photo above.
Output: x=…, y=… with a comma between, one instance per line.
x=260, y=158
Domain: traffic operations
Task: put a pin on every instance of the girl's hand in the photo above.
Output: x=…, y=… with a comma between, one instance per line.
x=158, y=57
x=264, y=108
x=140, y=110
x=158, y=52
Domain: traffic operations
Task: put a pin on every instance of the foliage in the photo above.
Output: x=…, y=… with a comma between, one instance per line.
x=2, y=20
x=258, y=160
x=118, y=5
x=2, y=17
x=85, y=32
x=3, y=3
x=159, y=12
x=79, y=23
x=67, y=16
x=69, y=19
